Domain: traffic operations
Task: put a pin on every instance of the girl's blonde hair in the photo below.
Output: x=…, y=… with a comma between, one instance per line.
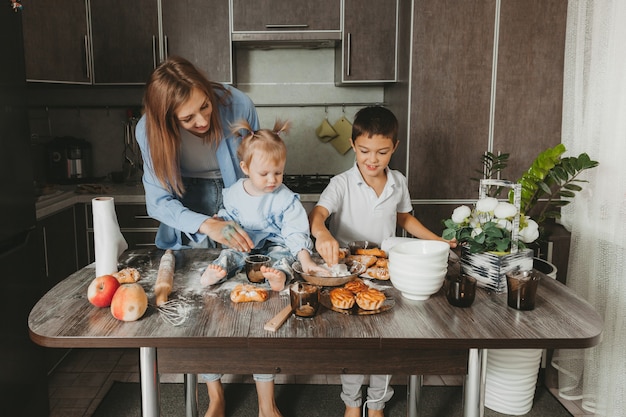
x=265, y=141
x=171, y=85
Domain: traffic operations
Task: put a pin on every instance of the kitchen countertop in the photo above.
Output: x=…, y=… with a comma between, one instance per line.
x=65, y=196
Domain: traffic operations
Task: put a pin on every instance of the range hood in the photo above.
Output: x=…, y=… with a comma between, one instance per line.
x=273, y=40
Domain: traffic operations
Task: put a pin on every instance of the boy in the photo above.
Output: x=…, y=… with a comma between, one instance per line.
x=367, y=202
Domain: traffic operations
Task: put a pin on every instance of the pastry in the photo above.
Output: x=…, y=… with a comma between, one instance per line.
x=371, y=299
x=341, y=298
x=378, y=272
x=127, y=276
x=244, y=293
x=382, y=262
x=356, y=286
x=343, y=252
x=379, y=253
x=367, y=260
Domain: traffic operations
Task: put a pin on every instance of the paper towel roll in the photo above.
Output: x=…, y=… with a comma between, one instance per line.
x=109, y=243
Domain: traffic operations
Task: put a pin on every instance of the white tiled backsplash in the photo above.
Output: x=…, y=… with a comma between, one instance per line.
x=293, y=84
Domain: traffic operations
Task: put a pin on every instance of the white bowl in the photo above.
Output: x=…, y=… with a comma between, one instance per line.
x=420, y=250
x=417, y=287
x=418, y=267
x=417, y=271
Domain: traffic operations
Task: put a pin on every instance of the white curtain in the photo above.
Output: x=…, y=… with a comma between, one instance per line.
x=594, y=121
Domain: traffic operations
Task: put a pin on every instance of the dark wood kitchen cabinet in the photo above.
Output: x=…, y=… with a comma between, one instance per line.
x=136, y=226
x=125, y=37
x=199, y=31
x=58, y=234
x=56, y=42
x=453, y=119
x=368, y=52
x=286, y=15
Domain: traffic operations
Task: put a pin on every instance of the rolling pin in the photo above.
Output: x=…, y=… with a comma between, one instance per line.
x=165, y=278
x=275, y=322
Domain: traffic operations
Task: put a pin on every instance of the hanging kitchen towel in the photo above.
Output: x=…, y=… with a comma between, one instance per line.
x=325, y=131
x=342, y=142
x=107, y=237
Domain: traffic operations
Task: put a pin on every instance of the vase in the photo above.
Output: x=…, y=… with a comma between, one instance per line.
x=490, y=269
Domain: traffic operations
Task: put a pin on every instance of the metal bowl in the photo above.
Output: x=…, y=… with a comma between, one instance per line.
x=361, y=244
x=355, y=268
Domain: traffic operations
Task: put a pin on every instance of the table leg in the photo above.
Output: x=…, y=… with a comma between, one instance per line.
x=149, y=376
x=474, y=385
x=191, y=395
x=413, y=394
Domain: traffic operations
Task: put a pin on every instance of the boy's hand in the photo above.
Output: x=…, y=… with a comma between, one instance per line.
x=328, y=248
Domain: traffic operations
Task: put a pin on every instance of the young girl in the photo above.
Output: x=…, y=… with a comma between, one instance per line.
x=265, y=209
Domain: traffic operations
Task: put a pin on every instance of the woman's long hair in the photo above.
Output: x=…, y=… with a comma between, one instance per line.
x=171, y=85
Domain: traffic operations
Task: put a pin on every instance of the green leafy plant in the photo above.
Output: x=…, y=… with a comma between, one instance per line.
x=550, y=183
x=554, y=178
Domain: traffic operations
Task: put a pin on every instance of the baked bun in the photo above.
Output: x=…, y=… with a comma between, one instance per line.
x=127, y=276
x=343, y=252
x=244, y=293
x=341, y=298
x=371, y=299
x=356, y=286
x=382, y=262
x=367, y=260
x=379, y=253
x=378, y=272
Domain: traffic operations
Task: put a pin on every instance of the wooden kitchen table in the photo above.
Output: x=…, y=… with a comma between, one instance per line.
x=412, y=338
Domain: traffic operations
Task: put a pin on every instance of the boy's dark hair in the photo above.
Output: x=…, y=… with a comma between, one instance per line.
x=375, y=120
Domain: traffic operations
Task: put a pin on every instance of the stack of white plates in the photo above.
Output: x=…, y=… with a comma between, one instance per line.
x=417, y=268
x=511, y=379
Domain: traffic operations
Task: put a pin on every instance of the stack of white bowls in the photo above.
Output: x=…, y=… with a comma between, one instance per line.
x=418, y=268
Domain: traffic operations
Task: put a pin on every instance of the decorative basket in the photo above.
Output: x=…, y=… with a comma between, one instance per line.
x=488, y=268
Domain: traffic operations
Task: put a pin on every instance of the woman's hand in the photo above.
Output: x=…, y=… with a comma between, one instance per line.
x=227, y=233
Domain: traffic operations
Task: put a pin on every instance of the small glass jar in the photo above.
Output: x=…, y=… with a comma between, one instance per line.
x=460, y=290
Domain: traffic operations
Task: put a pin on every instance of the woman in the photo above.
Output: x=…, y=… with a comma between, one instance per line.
x=189, y=156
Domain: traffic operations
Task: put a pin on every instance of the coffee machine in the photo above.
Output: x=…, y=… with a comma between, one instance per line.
x=69, y=160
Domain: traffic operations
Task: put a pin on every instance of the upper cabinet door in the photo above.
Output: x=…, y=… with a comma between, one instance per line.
x=125, y=40
x=369, y=46
x=199, y=31
x=56, y=42
x=286, y=15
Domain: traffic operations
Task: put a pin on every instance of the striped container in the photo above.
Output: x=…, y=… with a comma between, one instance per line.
x=490, y=269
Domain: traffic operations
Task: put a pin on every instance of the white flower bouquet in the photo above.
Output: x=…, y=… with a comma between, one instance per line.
x=488, y=227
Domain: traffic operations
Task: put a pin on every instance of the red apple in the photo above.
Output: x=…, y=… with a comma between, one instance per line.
x=101, y=290
x=129, y=302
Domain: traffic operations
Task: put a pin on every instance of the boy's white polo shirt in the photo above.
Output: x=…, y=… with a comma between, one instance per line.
x=357, y=213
